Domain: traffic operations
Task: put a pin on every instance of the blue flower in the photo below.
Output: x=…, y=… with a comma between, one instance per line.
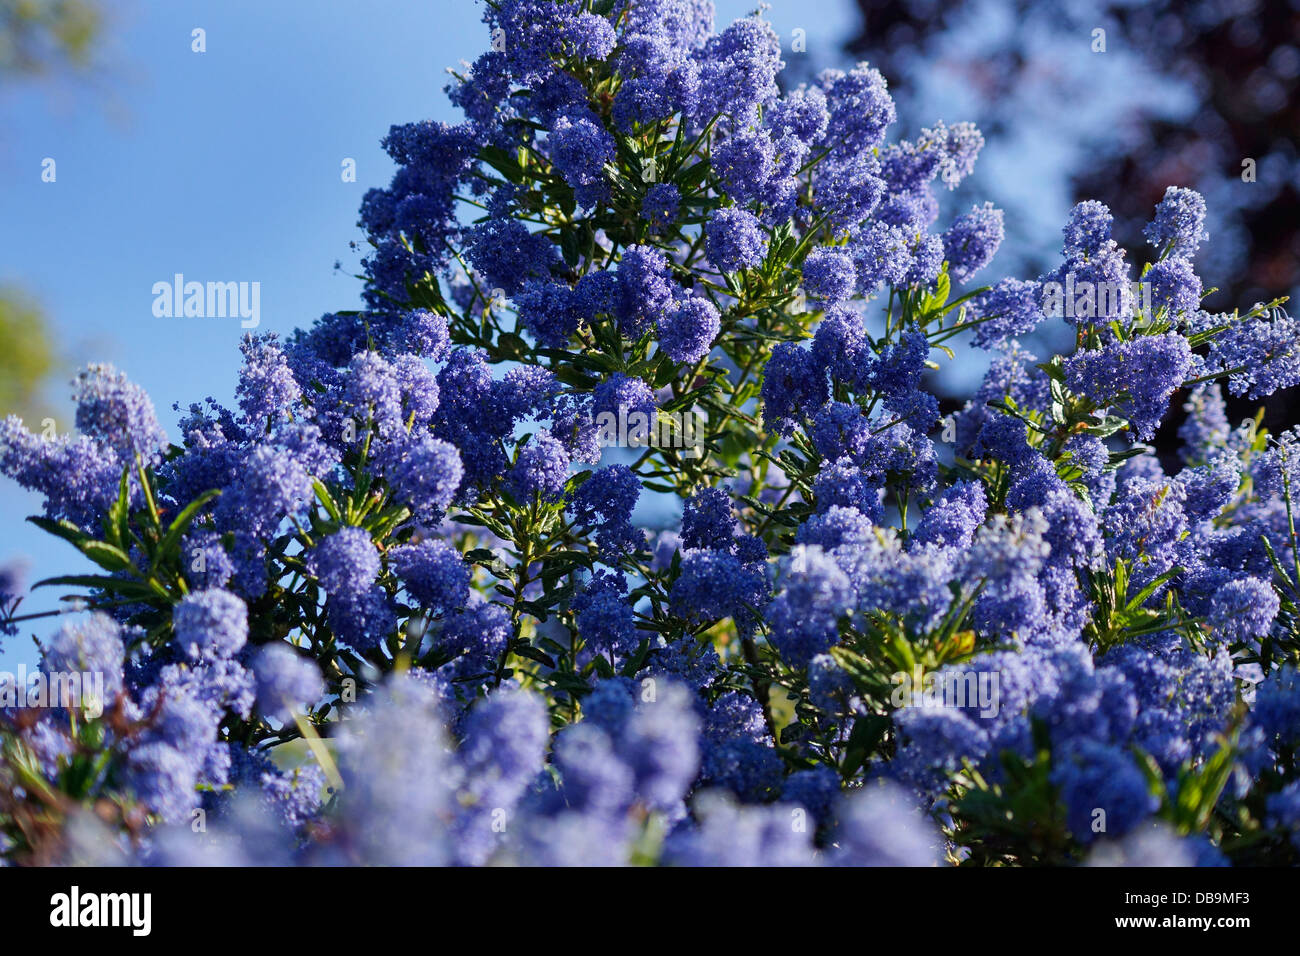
x=286, y=680
x=1179, y=224
x=735, y=239
x=687, y=330
x=210, y=625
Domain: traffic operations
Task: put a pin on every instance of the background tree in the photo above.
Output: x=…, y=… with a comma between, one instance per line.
x=1230, y=71
x=39, y=40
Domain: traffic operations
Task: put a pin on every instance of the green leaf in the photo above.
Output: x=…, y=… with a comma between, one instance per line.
x=327, y=500
x=180, y=524
x=115, y=525
x=533, y=654
x=137, y=590
x=868, y=731
x=60, y=529
x=487, y=558
x=107, y=556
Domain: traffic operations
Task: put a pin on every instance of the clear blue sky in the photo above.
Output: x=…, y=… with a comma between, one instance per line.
x=224, y=166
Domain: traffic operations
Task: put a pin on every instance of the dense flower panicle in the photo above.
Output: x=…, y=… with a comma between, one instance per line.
x=661, y=205
x=346, y=563
x=1008, y=310
x=881, y=254
x=507, y=254
x=504, y=743
x=971, y=241
x=881, y=826
x=1174, y=286
x=1093, y=284
x=959, y=146
x=593, y=777
x=622, y=396
x=1277, y=470
x=1178, y=228
x=717, y=584
x=550, y=310
x=926, y=260
x=860, y=106
x=423, y=333
x=1211, y=488
x=210, y=625
x=90, y=646
x=707, y=520
x=802, y=618
x=843, y=485
x=1095, y=776
x=815, y=790
x=118, y=414
x=434, y=573
x=1206, y=426
x=1088, y=230
x=1145, y=518
x=738, y=70
x=688, y=329
x=660, y=744
x=1277, y=705
x=800, y=113
x=661, y=76
x=735, y=239
x=901, y=365
x=541, y=469
x=829, y=274
x=580, y=147
x=610, y=704
x=1244, y=609
x=932, y=743
x=792, y=387
x=744, y=164
x=270, y=486
x=398, y=777
x=1155, y=845
x=1146, y=370
x=644, y=288
x=373, y=391
x=77, y=480
x=1260, y=356
x=426, y=473
x=305, y=443
x=267, y=389
x=1284, y=811
x=733, y=835
x=598, y=293
x=364, y=619
x=166, y=762
x=286, y=680
x=604, y=616
x=475, y=638
x=840, y=348
x=954, y=516
x=605, y=501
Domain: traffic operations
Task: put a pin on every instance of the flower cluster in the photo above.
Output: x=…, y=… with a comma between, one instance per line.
x=400, y=605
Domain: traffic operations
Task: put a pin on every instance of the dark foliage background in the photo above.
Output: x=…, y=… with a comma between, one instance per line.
x=1235, y=62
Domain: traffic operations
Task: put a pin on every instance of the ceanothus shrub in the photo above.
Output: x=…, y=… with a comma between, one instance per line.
x=404, y=604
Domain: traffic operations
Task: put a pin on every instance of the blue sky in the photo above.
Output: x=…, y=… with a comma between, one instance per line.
x=224, y=166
